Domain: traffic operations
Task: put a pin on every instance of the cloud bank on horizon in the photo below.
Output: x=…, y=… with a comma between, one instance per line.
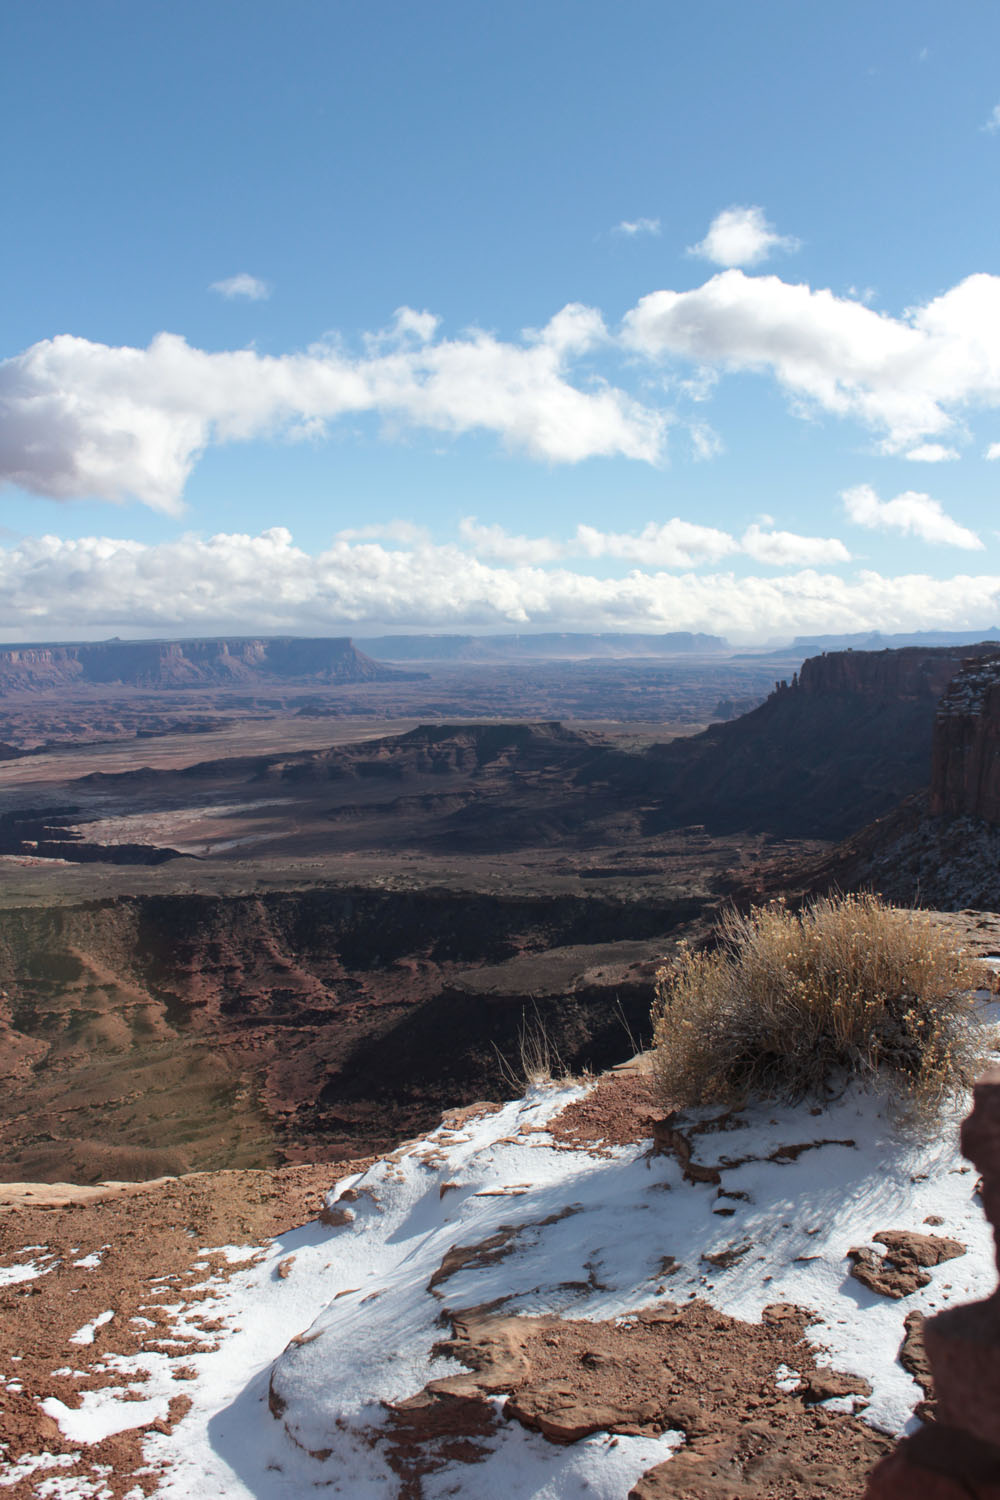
x=234, y=582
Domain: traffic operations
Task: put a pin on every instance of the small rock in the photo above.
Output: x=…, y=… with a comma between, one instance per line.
x=728, y=1257
x=901, y=1270
x=334, y=1216
x=822, y=1385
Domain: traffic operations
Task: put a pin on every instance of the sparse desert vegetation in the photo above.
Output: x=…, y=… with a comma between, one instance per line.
x=789, y=1003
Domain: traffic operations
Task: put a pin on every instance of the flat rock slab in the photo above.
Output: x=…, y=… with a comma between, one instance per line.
x=684, y=1368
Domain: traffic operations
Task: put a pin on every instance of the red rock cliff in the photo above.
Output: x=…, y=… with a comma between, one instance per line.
x=913, y=672
x=965, y=753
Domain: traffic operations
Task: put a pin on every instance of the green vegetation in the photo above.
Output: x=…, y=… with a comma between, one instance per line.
x=790, y=1003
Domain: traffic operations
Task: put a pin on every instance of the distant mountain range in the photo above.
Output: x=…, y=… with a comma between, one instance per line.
x=567, y=646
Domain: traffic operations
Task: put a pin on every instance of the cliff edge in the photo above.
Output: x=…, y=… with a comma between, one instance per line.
x=825, y=754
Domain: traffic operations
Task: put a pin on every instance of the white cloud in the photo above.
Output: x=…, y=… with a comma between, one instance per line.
x=992, y=124
x=671, y=544
x=80, y=418
x=902, y=376
x=407, y=533
x=632, y=227
x=912, y=514
x=242, y=285
x=992, y=452
x=84, y=419
x=932, y=453
x=51, y=586
x=741, y=237
x=575, y=329
x=500, y=546
x=408, y=326
x=786, y=549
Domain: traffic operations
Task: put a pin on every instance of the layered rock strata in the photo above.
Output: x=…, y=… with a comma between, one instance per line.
x=965, y=767
x=826, y=753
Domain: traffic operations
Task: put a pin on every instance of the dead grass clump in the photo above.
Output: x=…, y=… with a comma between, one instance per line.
x=791, y=1002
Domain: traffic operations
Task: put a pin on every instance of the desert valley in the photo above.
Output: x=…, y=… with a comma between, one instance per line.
x=269, y=910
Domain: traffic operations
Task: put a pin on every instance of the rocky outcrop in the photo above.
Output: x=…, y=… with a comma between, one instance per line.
x=185, y=664
x=957, y=1457
x=965, y=770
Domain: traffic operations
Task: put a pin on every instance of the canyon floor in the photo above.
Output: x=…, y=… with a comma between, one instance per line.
x=249, y=959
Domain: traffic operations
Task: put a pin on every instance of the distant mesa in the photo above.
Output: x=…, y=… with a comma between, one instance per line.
x=212, y=662
x=874, y=640
x=546, y=646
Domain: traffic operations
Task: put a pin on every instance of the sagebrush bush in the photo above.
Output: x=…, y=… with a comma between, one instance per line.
x=791, y=1002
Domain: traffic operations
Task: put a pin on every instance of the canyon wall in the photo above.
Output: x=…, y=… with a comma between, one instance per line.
x=830, y=751
x=965, y=766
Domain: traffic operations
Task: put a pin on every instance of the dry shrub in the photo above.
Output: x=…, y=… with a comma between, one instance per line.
x=790, y=1003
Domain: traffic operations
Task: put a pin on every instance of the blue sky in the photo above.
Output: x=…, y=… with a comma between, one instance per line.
x=350, y=317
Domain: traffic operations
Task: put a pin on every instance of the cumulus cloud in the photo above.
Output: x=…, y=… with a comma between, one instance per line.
x=632, y=227
x=669, y=544
x=51, y=586
x=932, y=453
x=243, y=285
x=912, y=514
x=499, y=545
x=902, y=376
x=786, y=549
x=741, y=237
x=79, y=418
x=993, y=452
x=406, y=533
x=992, y=124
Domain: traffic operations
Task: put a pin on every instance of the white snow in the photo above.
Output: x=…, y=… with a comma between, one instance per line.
x=27, y=1271
x=31, y=1464
x=88, y=1332
x=359, y=1293
x=102, y=1414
